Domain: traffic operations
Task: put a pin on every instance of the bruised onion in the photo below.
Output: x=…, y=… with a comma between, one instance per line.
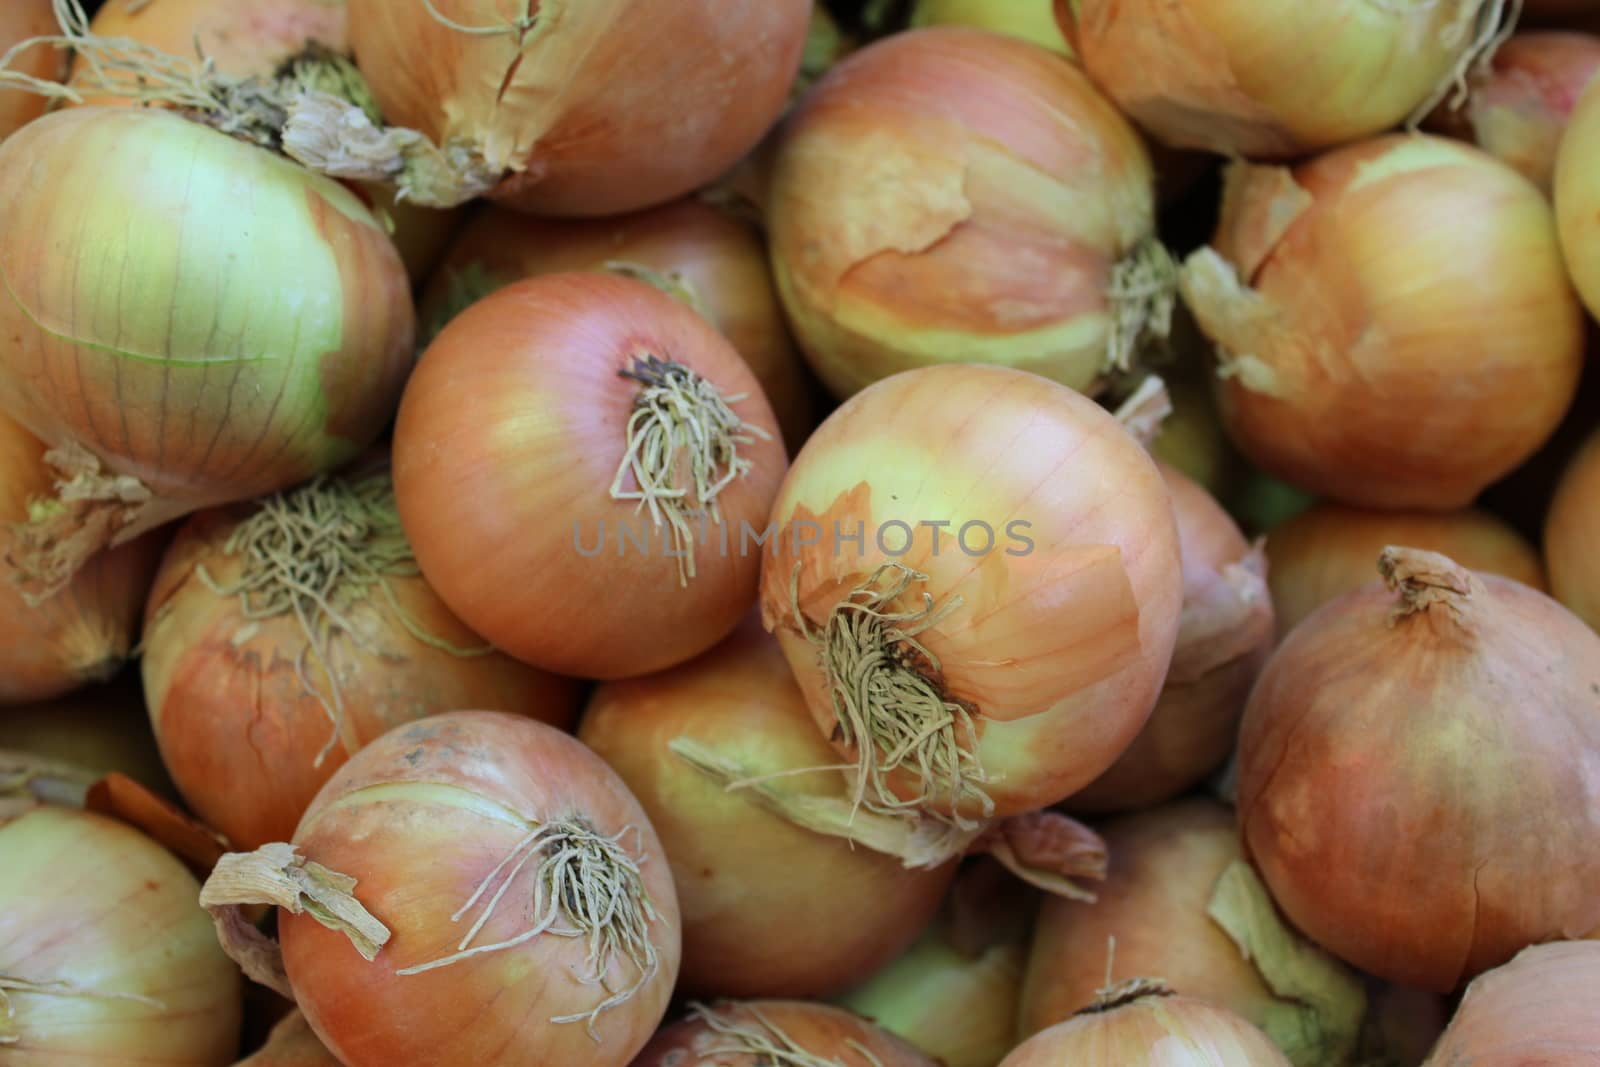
x=1571, y=531
x=1417, y=768
x=104, y=955
x=757, y=1033
x=284, y=635
x=1372, y=312
x=292, y=1043
x=21, y=21
x=1536, y=1009
x=1031, y=20
x=955, y=195
x=1577, y=197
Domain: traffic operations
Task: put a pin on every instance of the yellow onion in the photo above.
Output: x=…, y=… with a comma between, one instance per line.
x=1393, y=323
x=714, y=263
x=1269, y=80
x=105, y=956
x=1031, y=20
x=180, y=347
x=98, y=730
x=23, y=20
x=955, y=195
x=1417, y=768
x=292, y=1043
x=759, y=1033
x=1191, y=439
x=1536, y=1010
x=1572, y=532
x=1577, y=197
x=1327, y=551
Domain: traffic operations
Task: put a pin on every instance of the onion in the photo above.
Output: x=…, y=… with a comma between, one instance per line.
x=1577, y=197
x=104, y=957
x=292, y=1043
x=557, y=398
x=98, y=730
x=176, y=346
x=715, y=264
x=955, y=195
x=1142, y=1024
x=1374, y=308
x=1327, y=551
x=1224, y=637
x=993, y=560
x=582, y=109
x=511, y=904
x=1570, y=531
x=758, y=1033
x=301, y=627
x=1537, y=1009
x=1276, y=80
x=754, y=887
x=1191, y=438
x=56, y=640
x=1031, y=20
x=23, y=20
x=1407, y=814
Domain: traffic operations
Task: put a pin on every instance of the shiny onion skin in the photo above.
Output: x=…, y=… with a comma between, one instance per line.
x=420, y=818
x=1577, y=197
x=22, y=20
x=753, y=887
x=1056, y=647
x=1536, y=1010
x=142, y=294
x=747, y=1034
x=1031, y=20
x=1264, y=80
x=102, y=909
x=1571, y=531
x=292, y=1043
x=1405, y=813
x=955, y=195
x=1224, y=637
x=716, y=263
x=1373, y=310
x=82, y=633
x=1327, y=551
x=521, y=402
x=101, y=729
x=600, y=106
x=245, y=736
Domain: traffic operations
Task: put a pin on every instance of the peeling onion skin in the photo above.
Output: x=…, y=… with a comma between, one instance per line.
x=1060, y=650
x=952, y=195
x=1571, y=532
x=609, y=106
x=420, y=818
x=87, y=900
x=1327, y=551
x=292, y=1043
x=832, y=1035
x=1537, y=1009
x=754, y=889
x=1408, y=814
x=301, y=271
x=1577, y=197
x=1395, y=293
x=1174, y=1031
x=21, y=20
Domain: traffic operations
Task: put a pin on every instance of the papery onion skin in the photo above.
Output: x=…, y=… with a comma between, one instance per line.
x=1577, y=197
x=1031, y=20
x=1327, y=551
x=82, y=633
x=22, y=20
x=213, y=349
x=755, y=889
x=955, y=195
x=600, y=107
x=831, y=1035
x=1570, y=534
x=1155, y=1031
x=718, y=262
x=1263, y=81
x=292, y=1043
x=1224, y=637
x=1405, y=814
x=1536, y=1009
x=1381, y=326
x=520, y=402
x=88, y=901
x=420, y=818
x=101, y=729
x=1060, y=646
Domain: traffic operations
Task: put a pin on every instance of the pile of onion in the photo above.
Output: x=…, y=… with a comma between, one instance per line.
x=754, y=884
x=1327, y=551
x=621, y=444
x=714, y=263
x=104, y=954
x=1537, y=1009
x=1374, y=309
x=1577, y=197
x=97, y=731
x=23, y=20
x=1417, y=768
x=1273, y=80
x=292, y=1043
x=57, y=639
x=1031, y=20
x=475, y=889
x=955, y=195
x=759, y=1033
x=284, y=635
x=1571, y=530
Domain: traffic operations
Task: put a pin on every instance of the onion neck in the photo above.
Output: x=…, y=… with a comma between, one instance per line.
x=1427, y=583
x=1143, y=294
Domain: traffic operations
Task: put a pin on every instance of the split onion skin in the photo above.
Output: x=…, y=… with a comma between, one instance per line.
x=1537, y=1009
x=1154, y=1031
x=89, y=901
x=1327, y=551
x=754, y=888
x=721, y=260
x=1577, y=197
x=1405, y=813
x=952, y=195
x=420, y=818
x=599, y=108
x=1394, y=294
x=519, y=402
x=22, y=20
x=1571, y=531
x=1060, y=651
x=831, y=1035
x=101, y=729
x=292, y=1043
